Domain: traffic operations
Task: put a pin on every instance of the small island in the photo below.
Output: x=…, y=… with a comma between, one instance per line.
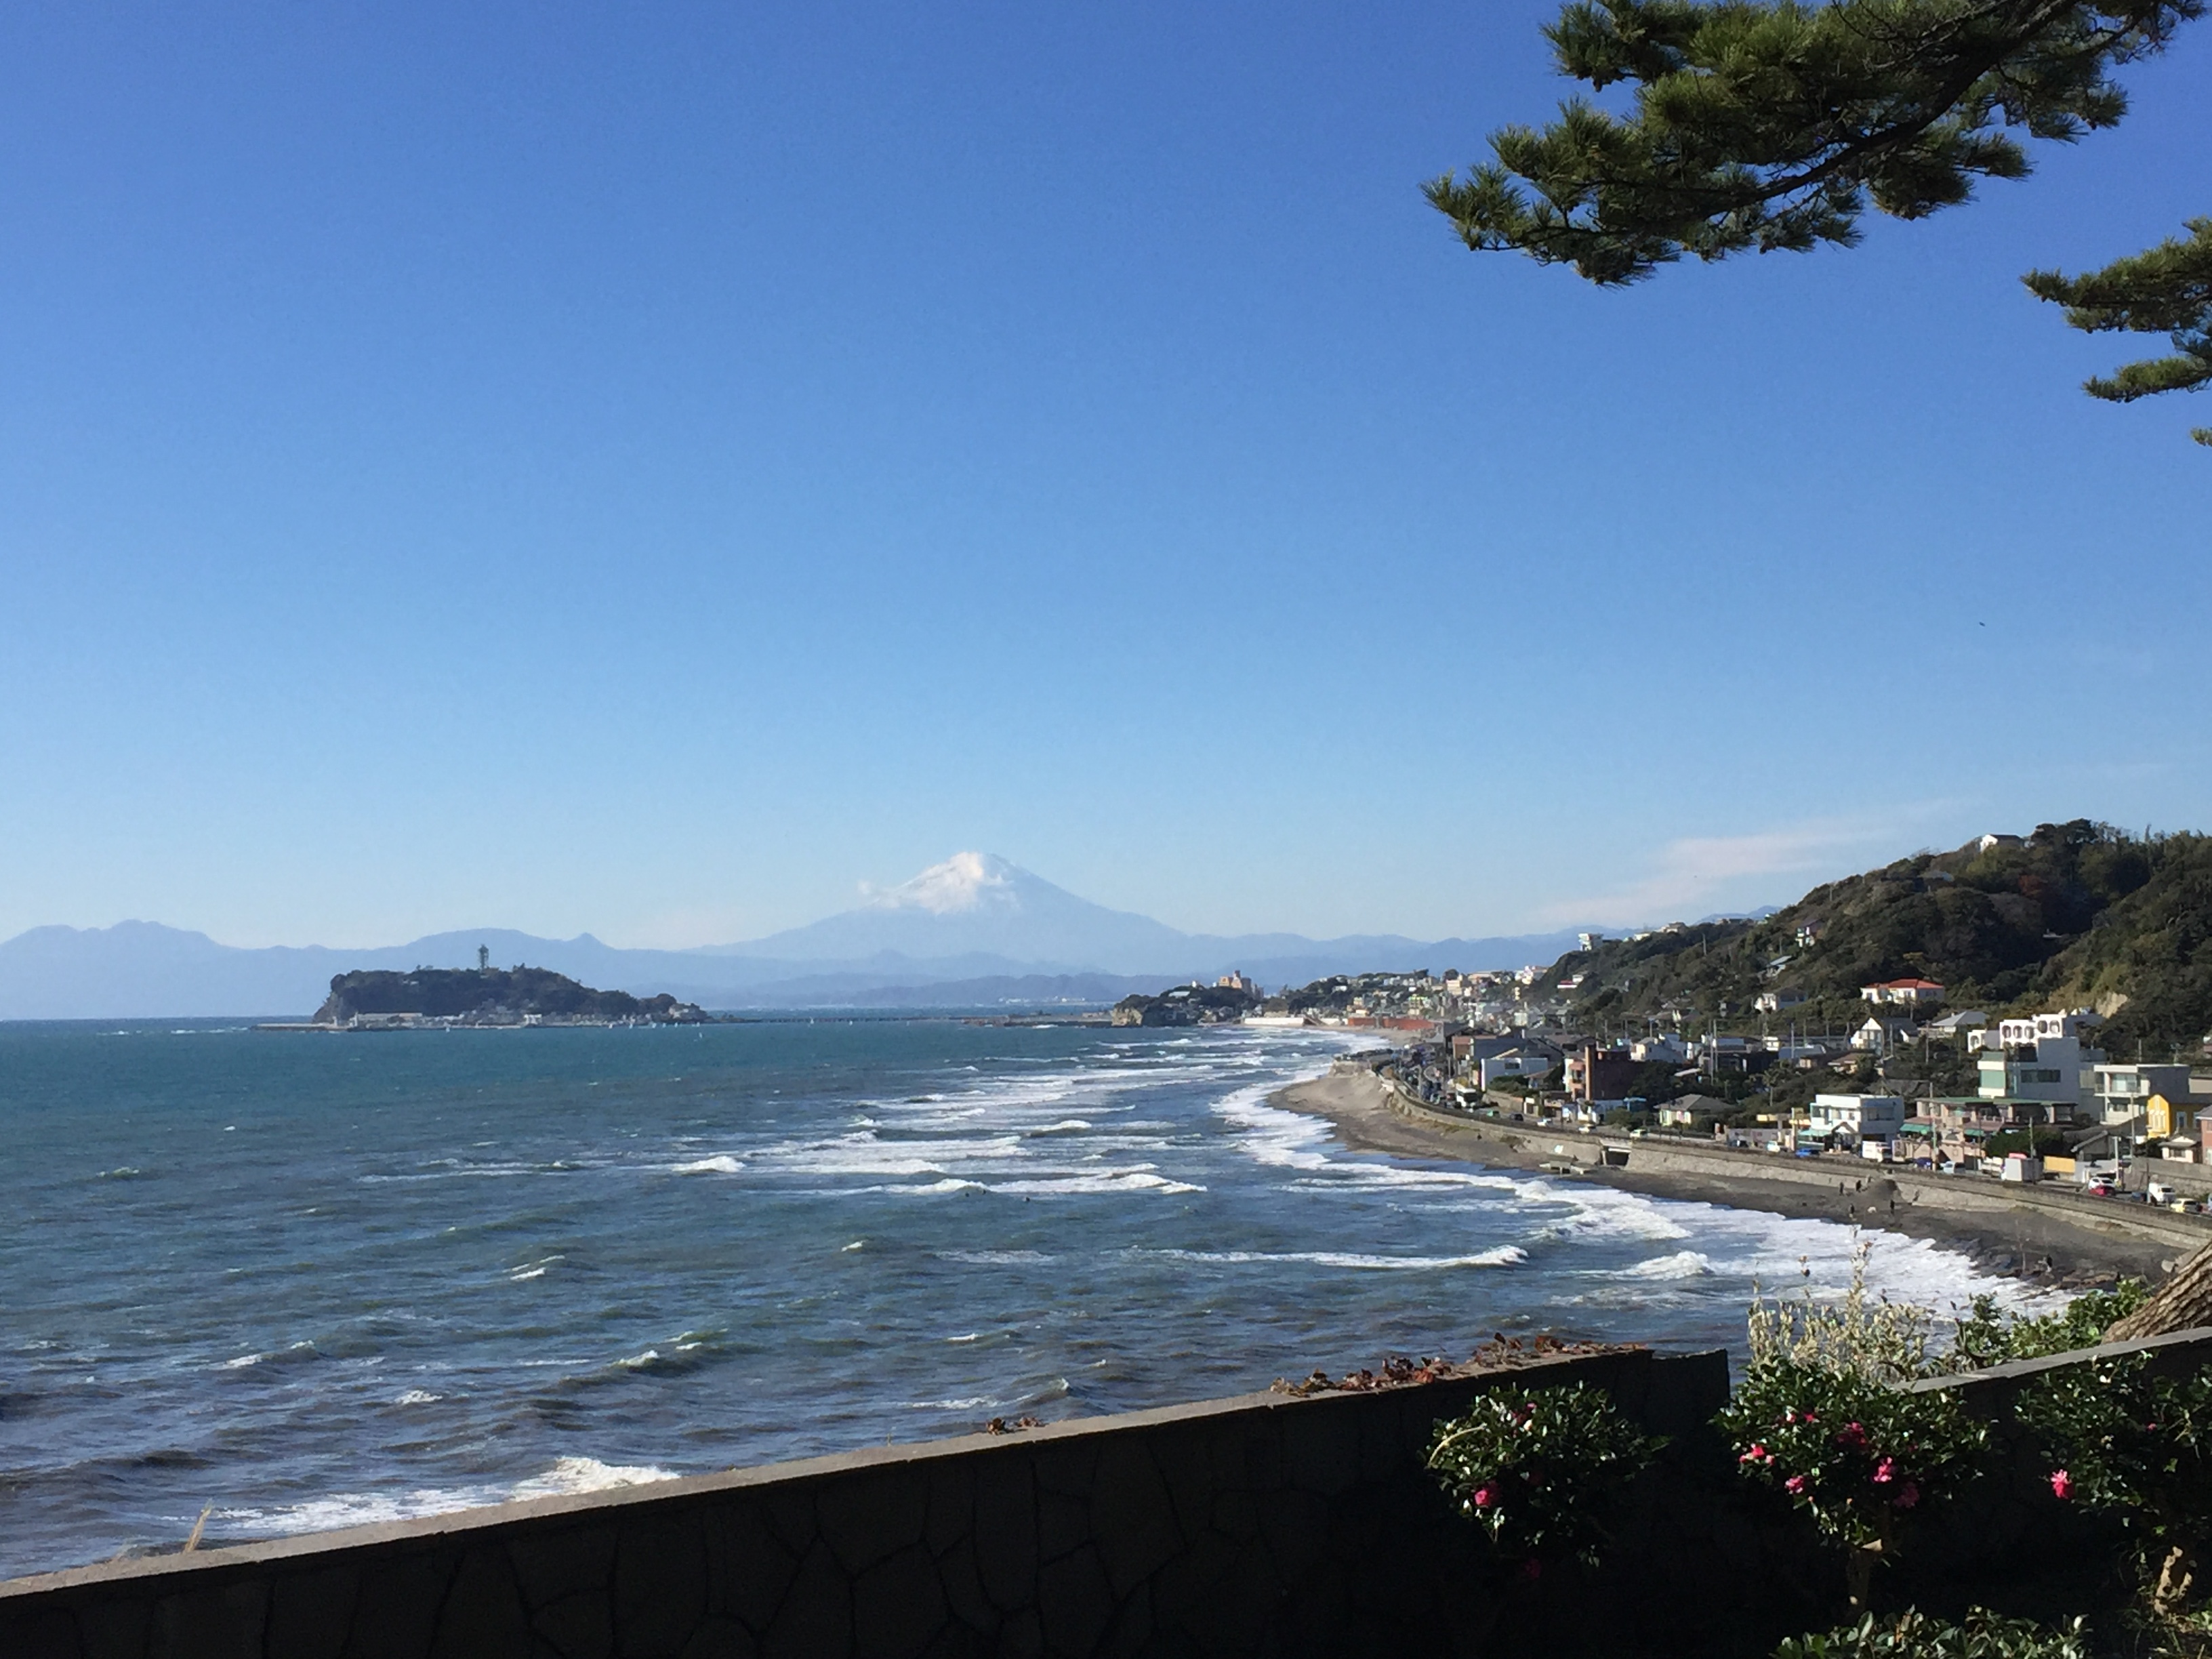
x=443, y=999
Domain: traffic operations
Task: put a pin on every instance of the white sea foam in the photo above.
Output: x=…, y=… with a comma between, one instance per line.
x=568, y=1476
x=418, y=1397
x=1502, y=1256
x=974, y=1403
x=994, y=1258
x=1683, y=1264
x=1109, y=1181
x=722, y=1164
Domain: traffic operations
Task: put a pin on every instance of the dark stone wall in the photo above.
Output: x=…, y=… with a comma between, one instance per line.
x=1265, y=1525
x=1270, y=1525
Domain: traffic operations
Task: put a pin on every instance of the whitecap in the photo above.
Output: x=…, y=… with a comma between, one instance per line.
x=1683, y=1264
x=1501, y=1256
x=418, y=1397
x=721, y=1164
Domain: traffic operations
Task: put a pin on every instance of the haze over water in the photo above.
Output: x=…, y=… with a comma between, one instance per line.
x=313, y=1281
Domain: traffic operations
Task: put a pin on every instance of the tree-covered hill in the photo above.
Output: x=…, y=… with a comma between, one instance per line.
x=450, y=994
x=2075, y=914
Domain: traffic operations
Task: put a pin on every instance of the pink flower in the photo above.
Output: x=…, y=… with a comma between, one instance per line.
x=1907, y=1495
x=2062, y=1483
x=1853, y=1436
x=1885, y=1472
x=1795, y=1484
x=1756, y=1454
x=1483, y=1497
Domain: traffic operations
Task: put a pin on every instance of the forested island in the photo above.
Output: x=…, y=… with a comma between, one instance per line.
x=445, y=997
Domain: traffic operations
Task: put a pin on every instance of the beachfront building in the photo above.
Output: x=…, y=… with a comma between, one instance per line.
x=1903, y=994
x=1849, y=1119
x=1531, y=1061
x=2123, y=1091
x=2042, y=1060
x=1596, y=1073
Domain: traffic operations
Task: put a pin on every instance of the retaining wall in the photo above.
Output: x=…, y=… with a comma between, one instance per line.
x=1269, y=1524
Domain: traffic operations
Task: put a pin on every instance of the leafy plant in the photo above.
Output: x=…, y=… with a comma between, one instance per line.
x=1913, y=1635
x=2137, y=1445
x=1534, y=1467
x=1988, y=1337
x=1872, y=1337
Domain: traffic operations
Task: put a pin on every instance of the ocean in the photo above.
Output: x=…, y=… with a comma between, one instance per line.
x=297, y=1282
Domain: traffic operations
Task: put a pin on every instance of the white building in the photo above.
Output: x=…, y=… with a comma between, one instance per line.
x=1856, y=1118
x=1773, y=1002
x=1514, y=1062
x=1883, y=1033
x=1903, y=994
x=2042, y=1058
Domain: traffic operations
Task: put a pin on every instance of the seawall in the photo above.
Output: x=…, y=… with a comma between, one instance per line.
x=1965, y=1195
x=1267, y=1524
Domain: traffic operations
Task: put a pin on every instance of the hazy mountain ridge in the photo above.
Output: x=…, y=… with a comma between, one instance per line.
x=974, y=929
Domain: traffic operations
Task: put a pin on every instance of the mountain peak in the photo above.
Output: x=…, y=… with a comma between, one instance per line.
x=964, y=882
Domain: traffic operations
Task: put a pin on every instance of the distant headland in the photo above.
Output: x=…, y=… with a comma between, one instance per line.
x=443, y=999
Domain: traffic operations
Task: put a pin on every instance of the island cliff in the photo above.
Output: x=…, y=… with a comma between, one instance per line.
x=490, y=996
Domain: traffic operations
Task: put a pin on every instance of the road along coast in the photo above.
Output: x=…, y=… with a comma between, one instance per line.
x=2047, y=1237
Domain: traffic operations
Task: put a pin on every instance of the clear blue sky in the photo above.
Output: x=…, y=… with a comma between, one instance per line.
x=651, y=469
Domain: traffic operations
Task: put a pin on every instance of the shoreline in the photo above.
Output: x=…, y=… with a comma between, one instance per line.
x=2034, y=1247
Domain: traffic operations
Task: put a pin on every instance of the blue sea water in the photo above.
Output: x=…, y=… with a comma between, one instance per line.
x=300, y=1282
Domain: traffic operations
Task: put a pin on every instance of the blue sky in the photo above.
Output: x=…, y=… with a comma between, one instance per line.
x=652, y=469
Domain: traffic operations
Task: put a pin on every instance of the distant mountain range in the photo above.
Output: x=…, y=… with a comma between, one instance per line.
x=974, y=930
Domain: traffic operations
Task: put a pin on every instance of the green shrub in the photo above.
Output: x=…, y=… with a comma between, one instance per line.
x=2139, y=1447
x=1913, y=1635
x=1536, y=1468
x=1859, y=1456
x=1986, y=1337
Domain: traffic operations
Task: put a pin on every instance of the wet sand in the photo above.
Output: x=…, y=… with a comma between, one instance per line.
x=2027, y=1244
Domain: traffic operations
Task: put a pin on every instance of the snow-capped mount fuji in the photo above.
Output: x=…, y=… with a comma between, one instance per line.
x=978, y=904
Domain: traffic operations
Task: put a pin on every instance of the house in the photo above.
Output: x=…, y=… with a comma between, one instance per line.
x=1687, y=1111
x=1883, y=1034
x=1963, y=1019
x=1773, y=1002
x=1595, y=1074
x=1988, y=843
x=1903, y=994
x=1529, y=1061
x=1758, y=1137
x=1848, y=1120
x=2165, y=1117
x=2042, y=1058
x=2123, y=1091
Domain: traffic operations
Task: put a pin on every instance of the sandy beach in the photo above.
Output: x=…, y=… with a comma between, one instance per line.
x=2027, y=1244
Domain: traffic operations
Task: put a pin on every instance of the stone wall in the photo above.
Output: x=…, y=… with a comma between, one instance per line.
x=1270, y=1524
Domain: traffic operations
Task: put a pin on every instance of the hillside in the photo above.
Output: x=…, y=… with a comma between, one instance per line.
x=2075, y=914
x=492, y=995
